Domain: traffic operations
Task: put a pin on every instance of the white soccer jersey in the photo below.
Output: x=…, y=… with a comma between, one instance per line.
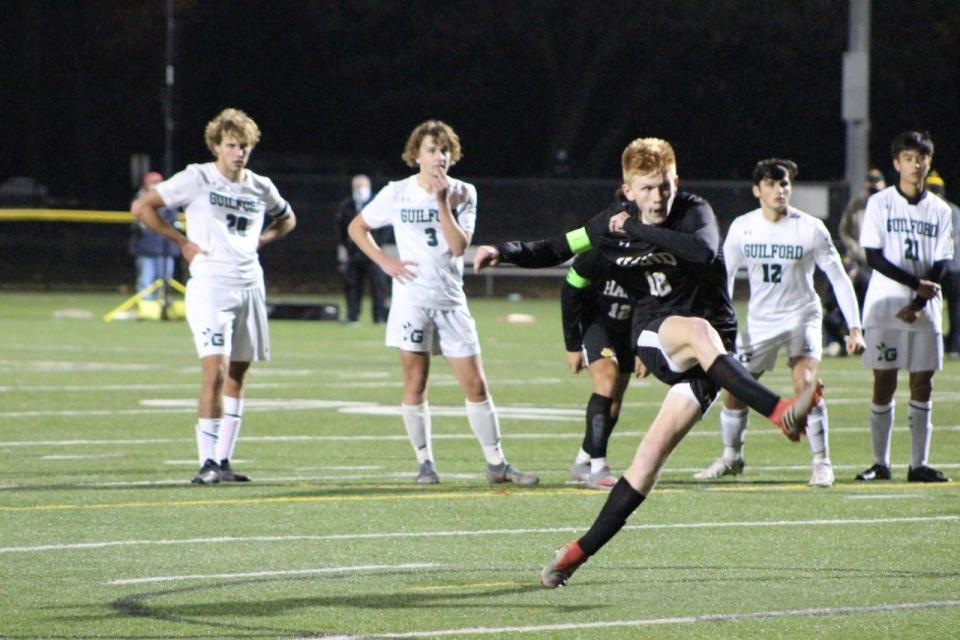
x=912, y=236
x=780, y=258
x=224, y=219
x=416, y=225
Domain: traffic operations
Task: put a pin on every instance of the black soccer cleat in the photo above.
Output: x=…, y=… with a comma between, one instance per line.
x=209, y=473
x=876, y=472
x=227, y=474
x=923, y=473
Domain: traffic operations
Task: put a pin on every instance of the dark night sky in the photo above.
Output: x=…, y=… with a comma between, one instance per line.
x=336, y=86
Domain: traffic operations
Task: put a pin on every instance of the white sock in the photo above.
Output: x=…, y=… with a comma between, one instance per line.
x=920, y=430
x=881, y=426
x=817, y=430
x=733, y=423
x=207, y=432
x=597, y=464
x=582, y=457
x=482, y=417
x=229, y=427
x=416, y=418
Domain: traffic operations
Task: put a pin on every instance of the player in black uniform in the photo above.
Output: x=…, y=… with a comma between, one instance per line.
x=596, y=331
x=663, y=247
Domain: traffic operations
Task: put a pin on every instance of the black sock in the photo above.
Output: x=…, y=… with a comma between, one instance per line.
x=598, y=426
x=622, y=501
x=730, y=374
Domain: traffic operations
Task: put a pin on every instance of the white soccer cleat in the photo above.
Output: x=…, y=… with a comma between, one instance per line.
x=822, y=475
x=718, y=468
x=580, y=471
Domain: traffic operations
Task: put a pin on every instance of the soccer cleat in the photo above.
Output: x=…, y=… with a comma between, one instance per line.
x=568, y=559
x=227, y=474
x=580, y=471
x=427, y=474
x=923, y=473
x=791, y=415
x=822, y=475
x=719, y=468
x=506, y=472
x=209, y=473
x=876, y=472
x=602, y=480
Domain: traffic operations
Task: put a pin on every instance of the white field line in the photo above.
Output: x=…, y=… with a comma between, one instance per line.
x=159, y=407
x=708, y=432
x=477, y=532
x=405, y=475
x=91, y=456
x=648, y=622
x=261, y=574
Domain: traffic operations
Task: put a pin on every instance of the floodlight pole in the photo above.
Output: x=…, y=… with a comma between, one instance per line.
x=856, y=94
x=168, y=128
x=168, y=124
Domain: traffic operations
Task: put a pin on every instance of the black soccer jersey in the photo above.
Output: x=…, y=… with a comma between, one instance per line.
x=675, y=268
x=588, y=297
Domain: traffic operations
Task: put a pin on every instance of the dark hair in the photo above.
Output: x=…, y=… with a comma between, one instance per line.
x=912, y=140
x=774, y=169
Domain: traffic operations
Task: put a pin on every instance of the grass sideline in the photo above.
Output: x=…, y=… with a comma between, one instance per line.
x=101, y=535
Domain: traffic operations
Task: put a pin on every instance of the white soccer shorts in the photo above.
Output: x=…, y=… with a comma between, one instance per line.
x=451, y=332
x=758, y=353
x=230, y=322
x=896, y=349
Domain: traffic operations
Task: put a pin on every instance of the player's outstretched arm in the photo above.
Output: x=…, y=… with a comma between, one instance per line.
x=486, y=256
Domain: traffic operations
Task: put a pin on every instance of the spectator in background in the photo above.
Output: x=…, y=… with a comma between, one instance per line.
x=854, y=261
x=155, y=255
x=353, y=263
x=951, y=279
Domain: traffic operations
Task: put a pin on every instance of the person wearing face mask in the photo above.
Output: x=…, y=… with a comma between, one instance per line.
x=355, y=266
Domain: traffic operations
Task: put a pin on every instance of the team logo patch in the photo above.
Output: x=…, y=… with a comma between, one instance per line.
x=885, y=353
x=606, y=352
x=412, y=335
x=210, y=337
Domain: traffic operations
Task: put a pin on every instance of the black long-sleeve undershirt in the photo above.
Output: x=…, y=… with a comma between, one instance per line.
x=699, y=247
x=879, y=263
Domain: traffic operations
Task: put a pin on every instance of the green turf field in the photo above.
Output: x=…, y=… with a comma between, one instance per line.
x=101, y=534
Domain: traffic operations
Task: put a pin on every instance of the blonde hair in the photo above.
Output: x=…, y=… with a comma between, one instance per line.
x=647, y=155
x=235, y=123
x=444, y=135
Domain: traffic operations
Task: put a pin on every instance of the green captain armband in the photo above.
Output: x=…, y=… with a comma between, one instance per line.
x=576, y=280
x=578, y=240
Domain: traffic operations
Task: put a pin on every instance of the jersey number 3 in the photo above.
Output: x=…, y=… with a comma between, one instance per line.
x=431, y=236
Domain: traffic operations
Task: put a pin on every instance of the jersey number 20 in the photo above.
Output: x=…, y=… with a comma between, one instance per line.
x=237, y=225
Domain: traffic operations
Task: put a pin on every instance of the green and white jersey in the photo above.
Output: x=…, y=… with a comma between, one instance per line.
x=224, y=219
x=912, y=235
x=416, y=225
x=780, y=258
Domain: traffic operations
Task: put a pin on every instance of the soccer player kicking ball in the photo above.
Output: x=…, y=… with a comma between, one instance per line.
x=664, y=249
x=433, y=217
x=780, y=246
x=226, y=205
